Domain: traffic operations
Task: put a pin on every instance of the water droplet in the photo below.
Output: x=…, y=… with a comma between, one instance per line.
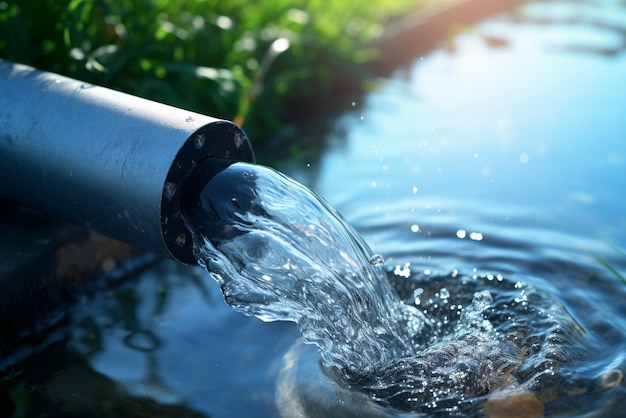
x=476, y=236
x=199, y=141
x=415, y=228
x=461, y=233
x=235, y=203
x=414, y=189
x=482, y=300
x=377, y=260
x=523, y=158
x=444, y=293
x=403, y=271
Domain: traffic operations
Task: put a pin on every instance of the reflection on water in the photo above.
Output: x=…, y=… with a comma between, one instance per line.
x=161, y=343
x=595, y=27
x=469, y=166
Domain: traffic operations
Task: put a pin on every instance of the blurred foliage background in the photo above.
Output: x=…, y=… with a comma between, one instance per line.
x=269, y=65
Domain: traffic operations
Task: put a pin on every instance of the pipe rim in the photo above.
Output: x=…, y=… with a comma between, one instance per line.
x=221, y=140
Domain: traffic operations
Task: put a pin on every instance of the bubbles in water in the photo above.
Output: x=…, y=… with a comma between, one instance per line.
x=377, y=260
x=468, y=361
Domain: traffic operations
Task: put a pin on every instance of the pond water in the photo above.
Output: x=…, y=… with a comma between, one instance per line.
x=495, y=162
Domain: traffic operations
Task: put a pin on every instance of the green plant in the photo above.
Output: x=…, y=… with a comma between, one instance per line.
x=602, y=261
x=253, y=62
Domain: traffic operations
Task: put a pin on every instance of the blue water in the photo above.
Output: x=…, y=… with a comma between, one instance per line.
x=474, y=167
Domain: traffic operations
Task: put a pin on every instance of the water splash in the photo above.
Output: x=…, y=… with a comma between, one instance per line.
x=279, y=252
x=467, y=362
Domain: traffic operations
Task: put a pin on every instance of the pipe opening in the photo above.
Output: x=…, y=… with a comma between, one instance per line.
x=191, y=170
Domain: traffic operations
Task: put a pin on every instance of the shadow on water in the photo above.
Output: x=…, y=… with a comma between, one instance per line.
x=56, y=383
x=58, y=380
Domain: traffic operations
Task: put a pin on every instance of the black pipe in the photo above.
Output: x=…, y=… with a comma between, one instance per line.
x=111, y=161
x=218, y=196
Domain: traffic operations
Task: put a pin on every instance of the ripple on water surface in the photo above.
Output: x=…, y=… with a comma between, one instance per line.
x=435, y=345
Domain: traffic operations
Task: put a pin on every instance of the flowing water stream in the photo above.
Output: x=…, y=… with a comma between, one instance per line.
x=279, y=252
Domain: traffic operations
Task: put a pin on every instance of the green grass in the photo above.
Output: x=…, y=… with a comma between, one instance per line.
x=262, y=63
x=611, y=268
